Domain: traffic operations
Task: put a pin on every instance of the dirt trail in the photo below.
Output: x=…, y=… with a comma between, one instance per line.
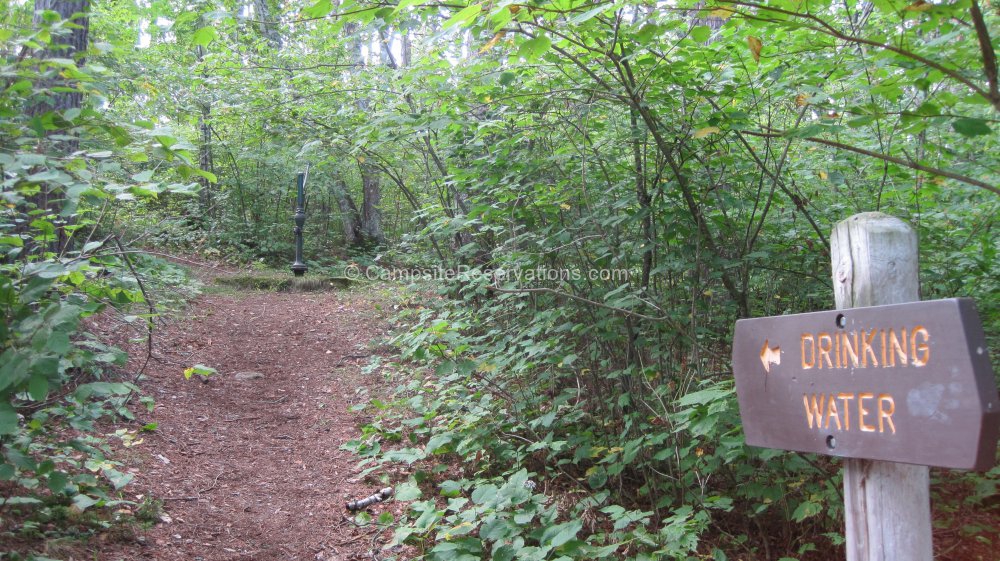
x=248, y=463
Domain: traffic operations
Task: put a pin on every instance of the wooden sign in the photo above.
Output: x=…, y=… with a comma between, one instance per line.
x=907, y=383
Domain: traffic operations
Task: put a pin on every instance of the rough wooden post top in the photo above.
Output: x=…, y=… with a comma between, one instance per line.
x=887, y=248
x=874, y=216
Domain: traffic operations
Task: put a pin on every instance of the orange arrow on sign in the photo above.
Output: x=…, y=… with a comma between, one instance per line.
x=769, y=356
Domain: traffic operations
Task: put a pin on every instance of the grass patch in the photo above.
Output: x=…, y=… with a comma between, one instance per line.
x=275, y=282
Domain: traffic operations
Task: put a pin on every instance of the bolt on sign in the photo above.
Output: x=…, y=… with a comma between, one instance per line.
x=907, y=383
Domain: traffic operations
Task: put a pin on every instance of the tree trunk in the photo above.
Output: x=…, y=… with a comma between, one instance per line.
x=464, y=237
x=267, y=26
x=63, y=46
x=371, y=215
x=645, y=201
x=70, y=45
x=349, y=216
x=205, y=160
x=407, y=48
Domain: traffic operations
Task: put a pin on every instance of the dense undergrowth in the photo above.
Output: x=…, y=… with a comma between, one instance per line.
x=70, y=284
x=523, y=452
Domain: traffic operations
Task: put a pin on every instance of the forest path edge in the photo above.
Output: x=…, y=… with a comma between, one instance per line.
x=248, y=463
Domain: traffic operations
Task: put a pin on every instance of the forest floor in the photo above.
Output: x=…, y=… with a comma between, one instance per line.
x=247, y=463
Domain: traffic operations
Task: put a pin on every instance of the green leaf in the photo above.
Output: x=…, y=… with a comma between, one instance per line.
x=408, y=455
x=646, y=33
x=20, y=86
x=408, y=492
x=861, y=121
x=143, y=177
x=461, y=549
x=451, y=488
x=204, y=36
x=21, y=501
x=407, y=3
x=559, y=534
x=701, y=33
x=165, y=140
x=806, y=131
x=466, y=14
x=84, y=391
x=117, y=478
x=199, y=369
x=319, y=9
x=590, y=14
x=44, y=226
x=970, y=127
x=58, y=343
x=598, y=478
x=83, y=502
x=504, y=553
x=437, y=442
x=57, y=481
x=702, y=397
x=38, y=387
x=8, y=419
x=91, y=246
x=21, y=460
x=485, y=493
x=206, y=174
x=534, y=48
x=805, y=510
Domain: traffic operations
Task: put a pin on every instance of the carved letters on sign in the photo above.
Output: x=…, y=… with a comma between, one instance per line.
x=822, y=408
x=866, y=348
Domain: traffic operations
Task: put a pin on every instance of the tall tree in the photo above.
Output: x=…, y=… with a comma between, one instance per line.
x=266, y=23
x=349, y=216
x=68, y=41
x=205, y=158
x=371, y=184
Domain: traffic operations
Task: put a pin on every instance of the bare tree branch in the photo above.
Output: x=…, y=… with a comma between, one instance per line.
x=907, y=163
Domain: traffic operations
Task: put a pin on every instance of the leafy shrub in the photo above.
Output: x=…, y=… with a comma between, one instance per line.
x=61, y=262
x=644, y=473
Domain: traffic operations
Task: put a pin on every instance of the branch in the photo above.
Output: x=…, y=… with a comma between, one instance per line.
x=149, y=320
x=297, y=68
x=885, y=157
x=989, y=55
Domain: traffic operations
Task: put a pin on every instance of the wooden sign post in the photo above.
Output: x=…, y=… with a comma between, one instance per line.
x=891, y=384
x=887, y=505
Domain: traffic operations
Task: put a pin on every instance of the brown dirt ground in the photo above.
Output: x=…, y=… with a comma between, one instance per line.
x=250, y=469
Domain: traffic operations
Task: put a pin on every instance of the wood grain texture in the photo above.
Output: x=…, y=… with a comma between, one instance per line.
x=887, y=509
